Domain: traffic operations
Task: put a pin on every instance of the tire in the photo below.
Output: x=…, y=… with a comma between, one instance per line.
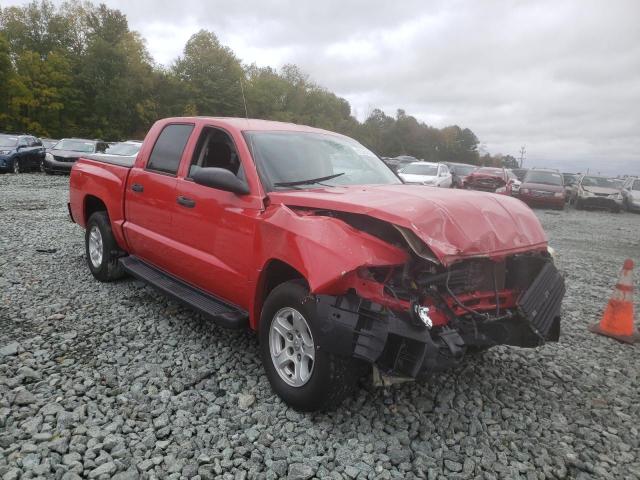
x=578, y=204
x=101, y=249
x=329, y=378
x=16, y=166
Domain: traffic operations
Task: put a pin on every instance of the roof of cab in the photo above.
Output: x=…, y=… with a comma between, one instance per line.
x=252, y=124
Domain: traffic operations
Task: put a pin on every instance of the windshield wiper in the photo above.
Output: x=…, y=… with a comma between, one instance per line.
x=309, y=181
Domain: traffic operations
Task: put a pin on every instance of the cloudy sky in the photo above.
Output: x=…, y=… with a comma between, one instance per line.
x=561, y=77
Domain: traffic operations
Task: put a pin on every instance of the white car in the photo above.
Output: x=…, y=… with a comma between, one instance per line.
x=427, y=173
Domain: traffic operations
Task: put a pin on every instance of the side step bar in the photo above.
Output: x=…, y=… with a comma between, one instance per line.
x=222, y=313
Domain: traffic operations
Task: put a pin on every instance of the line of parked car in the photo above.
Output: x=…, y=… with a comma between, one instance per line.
x=537, y=187
x=547, y=188
x=24, y=153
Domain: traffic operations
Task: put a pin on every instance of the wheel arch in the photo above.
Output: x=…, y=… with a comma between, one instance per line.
x=275, y=272
x=91, y=205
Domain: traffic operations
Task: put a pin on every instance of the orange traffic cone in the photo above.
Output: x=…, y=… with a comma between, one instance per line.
x=617, y=320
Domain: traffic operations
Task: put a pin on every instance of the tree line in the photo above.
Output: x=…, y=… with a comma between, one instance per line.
x=78, y=70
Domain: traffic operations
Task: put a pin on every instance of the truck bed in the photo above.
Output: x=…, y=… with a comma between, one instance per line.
x=121, y=161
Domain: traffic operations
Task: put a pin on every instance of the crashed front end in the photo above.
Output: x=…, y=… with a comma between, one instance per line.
x=423, y=316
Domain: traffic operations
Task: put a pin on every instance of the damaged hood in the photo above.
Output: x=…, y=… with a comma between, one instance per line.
x=454, y=224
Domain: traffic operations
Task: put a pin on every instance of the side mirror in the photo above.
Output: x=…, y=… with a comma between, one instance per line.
x=20, y=147
x=220, y=178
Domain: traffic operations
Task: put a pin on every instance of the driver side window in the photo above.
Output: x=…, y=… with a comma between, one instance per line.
x=215, y=149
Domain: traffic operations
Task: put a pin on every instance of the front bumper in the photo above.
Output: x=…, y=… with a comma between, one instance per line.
x=605, y=203
x=540, y=201
x=56, y=166
x=402, y=347
x=6, y=163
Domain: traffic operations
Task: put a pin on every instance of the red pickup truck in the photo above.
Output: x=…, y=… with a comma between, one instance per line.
x=308, y=238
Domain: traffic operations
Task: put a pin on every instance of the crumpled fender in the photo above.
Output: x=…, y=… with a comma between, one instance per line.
x=323, y=249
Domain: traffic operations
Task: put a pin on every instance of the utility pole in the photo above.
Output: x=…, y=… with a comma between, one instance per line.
x=523, y=153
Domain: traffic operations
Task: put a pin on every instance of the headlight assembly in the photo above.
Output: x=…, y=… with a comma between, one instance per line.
x=48, y=156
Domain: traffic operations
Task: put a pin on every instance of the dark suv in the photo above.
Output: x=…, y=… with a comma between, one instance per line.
x=20, y=153
x=61, y=157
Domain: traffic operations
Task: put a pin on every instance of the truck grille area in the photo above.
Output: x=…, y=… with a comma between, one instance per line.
x=540, y=303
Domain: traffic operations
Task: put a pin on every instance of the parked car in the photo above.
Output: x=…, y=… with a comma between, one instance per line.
x=48, y=142
x=543, y=188
x=61, y=157
x=598, y=192
x=20, y=153
x=398, y=163
x=256, y=224
x=459, y=172
x=128, y=148
x=426, y=173
x=490, y=179
x=631, y=194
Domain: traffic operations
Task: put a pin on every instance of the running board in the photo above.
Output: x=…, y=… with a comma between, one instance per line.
x=222, y=313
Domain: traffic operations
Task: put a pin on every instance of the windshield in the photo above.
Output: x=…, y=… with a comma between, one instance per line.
x=420, y=169
x=84, y=146
x=49, y=143
x=124, y=148
x=547, y=178
x=7, y=141
x=600, y=182
x=290, y=157
x=463, y=169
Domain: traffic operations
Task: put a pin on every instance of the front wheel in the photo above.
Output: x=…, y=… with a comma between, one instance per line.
x=305, y=376
x=16, y=166
x=102, y=250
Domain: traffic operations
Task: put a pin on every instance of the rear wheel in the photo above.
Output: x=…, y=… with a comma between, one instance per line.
x=16, y=166
x=102, y=250
x=303, y=375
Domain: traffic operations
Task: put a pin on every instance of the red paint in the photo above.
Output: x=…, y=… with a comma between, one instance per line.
x=227, y=243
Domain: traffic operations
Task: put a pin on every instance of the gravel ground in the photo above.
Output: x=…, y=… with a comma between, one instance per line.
x=115, y=381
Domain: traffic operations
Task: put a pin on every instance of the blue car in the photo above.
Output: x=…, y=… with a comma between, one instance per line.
x=20, y=153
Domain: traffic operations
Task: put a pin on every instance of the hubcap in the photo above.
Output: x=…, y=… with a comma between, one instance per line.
x=292, y=348
x=95, y=246
x=16, y=167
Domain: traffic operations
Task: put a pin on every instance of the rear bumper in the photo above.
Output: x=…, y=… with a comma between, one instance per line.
x=401, y=347
x=54, y=166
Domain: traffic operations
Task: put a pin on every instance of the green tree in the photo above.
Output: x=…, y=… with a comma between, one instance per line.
x=37, y=92
x=6, y=74
x=211, y=75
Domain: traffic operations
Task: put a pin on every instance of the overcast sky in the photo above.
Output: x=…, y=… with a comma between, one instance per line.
x=561, y=77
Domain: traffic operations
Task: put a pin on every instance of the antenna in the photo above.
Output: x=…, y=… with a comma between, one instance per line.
x=244, y=100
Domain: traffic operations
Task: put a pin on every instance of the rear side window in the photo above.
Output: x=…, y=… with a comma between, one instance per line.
x=166, y=153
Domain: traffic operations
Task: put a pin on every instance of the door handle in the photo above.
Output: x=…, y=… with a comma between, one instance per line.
x=136, y=187
x=186, y=202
